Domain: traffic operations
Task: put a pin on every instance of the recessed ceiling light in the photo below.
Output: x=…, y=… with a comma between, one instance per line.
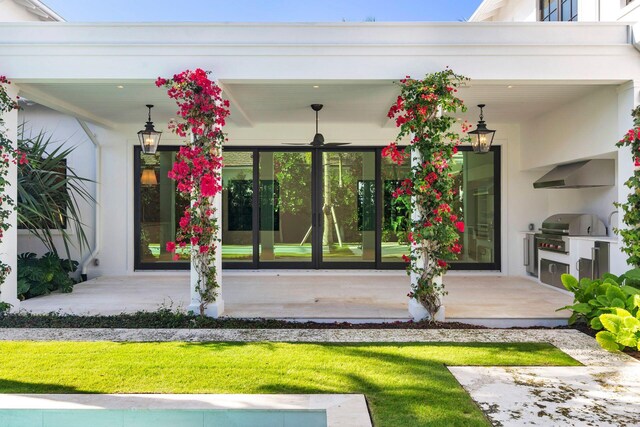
x=510, y=87
x=316, y=86
x=120, y=87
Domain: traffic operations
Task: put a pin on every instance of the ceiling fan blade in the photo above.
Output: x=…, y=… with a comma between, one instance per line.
x=336, y=144
x=295, y=143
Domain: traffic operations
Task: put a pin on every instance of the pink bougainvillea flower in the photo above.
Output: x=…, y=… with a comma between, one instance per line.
x=460, y=226
x=171, y=246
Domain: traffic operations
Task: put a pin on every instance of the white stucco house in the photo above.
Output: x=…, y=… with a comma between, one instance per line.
x=557, y=93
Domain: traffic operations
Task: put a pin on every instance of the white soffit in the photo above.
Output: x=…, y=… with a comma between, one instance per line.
x=258, y=103
x=487, y=9
x=41, y=10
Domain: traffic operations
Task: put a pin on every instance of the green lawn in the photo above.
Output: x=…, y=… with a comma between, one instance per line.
x=405, y=384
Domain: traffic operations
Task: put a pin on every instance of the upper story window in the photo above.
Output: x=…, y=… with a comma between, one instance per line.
x=558, y=10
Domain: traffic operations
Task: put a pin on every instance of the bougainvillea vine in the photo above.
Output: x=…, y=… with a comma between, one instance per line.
x=197, y=172
x=631, y=208
x=422, y=113
x=8, y=156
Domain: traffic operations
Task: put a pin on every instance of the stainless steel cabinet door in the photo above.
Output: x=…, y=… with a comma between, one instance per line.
x=551, y=272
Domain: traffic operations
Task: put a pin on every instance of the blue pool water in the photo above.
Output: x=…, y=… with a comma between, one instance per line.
x=161, y=418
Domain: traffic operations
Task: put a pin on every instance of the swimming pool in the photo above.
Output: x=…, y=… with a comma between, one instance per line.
x=161, y=418
x=183, y=410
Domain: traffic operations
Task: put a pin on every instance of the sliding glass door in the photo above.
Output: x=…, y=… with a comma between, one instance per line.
x=302, y=208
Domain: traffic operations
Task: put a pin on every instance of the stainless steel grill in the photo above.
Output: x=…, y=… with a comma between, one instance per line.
x=556, y=229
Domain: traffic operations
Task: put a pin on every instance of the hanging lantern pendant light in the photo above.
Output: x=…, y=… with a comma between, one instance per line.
x=482, y=138
x=149, y=137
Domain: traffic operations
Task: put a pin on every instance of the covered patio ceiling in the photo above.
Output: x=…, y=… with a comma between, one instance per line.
x=118, y=104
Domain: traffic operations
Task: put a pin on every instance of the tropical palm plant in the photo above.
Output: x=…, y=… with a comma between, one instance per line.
x=49, y=192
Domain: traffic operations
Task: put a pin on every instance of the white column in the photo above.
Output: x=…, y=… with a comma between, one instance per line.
x=416, y=310
x=416, y=159
x=9, y=244
x=628, y=98
x=214, y=309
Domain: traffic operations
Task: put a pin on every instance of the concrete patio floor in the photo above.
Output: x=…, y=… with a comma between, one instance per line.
x=356, y=296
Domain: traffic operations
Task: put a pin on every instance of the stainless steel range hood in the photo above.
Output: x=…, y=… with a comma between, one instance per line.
x=584, y=174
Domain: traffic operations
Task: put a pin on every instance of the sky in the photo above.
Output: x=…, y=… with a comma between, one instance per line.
x=262, y=11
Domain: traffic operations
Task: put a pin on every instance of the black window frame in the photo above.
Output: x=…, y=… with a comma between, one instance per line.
x=316, y=263
x=138, y=264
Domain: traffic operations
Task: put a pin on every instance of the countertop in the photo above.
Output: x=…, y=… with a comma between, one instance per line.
x=610, y=239
x=594, y=238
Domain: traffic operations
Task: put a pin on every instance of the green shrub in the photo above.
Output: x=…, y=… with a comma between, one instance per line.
x=41, y=276
x=593, y=298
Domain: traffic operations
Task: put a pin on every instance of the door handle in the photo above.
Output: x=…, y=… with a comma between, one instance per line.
x=553, y=268
x=594, y=262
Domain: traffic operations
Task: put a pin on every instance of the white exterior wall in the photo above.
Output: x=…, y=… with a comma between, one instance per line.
x=608, y=10
x=584, y=129
x=66, y=132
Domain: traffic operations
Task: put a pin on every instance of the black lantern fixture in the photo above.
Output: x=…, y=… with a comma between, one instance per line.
x=149, y=137
x=482, y=138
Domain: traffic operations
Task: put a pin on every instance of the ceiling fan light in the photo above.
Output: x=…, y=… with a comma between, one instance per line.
x=318, y=139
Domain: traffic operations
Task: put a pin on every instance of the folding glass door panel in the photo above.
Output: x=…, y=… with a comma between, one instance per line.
x=347, y=207
x=237, y=207
x=477, y=178
x=394, y=242
x=477, y=181
x=285, y=208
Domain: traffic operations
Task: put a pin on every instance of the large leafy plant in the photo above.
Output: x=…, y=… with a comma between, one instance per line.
x=593, y=298
x=41, y=276
x=423, y=114
x=50, y=192
x=622, y=328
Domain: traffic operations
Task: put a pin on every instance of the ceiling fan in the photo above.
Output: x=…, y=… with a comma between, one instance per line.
x=318, y=138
